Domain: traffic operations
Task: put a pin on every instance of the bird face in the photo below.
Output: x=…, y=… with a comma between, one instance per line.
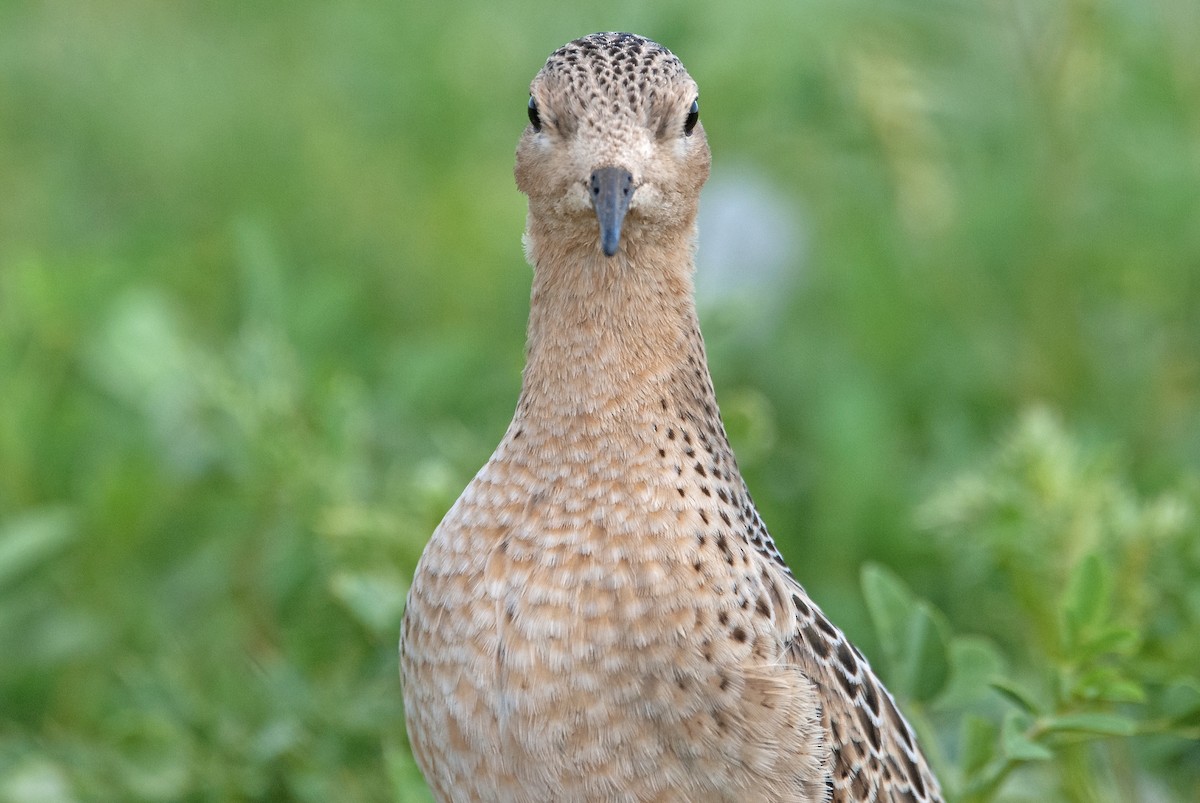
x=613, y=142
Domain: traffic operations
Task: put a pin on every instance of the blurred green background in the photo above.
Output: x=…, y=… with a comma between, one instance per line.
x=262, y=306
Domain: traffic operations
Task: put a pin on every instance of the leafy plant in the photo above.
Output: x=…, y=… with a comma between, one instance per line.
x=1083, y=692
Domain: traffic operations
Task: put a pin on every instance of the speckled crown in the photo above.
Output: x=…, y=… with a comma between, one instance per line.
x=616, y=72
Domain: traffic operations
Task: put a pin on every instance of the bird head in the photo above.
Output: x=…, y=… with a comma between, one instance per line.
x=613, y=144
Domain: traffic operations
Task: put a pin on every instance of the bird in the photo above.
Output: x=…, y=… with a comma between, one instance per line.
x=602, y=614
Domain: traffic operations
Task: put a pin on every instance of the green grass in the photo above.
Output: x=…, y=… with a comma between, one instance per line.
x=262, y=306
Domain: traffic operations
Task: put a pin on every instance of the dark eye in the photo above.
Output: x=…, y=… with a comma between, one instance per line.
x=534, y=117
x=693, y=117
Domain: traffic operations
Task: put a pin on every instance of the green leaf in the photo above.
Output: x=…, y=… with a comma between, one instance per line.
x=33, y=538
x=1016, y=744
x=912, y=633
x=1086, y=601
x=1016, y=694
x=927, y=664
x=890, y=605
x=1097, y=723
x=1114, y=640
x=978, y=743
x=1123, y=691
x=974, y=663
x=376, y=599
x=1180, y=701
x=1106, y=683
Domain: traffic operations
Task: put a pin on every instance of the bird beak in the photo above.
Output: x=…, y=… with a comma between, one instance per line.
x=612, y=187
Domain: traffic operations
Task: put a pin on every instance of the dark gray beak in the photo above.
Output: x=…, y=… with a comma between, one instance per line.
x=612, y=187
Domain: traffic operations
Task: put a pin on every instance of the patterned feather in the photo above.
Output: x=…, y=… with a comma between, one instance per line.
x=602, y=614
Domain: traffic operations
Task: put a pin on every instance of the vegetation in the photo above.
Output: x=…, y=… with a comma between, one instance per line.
x=262, y=306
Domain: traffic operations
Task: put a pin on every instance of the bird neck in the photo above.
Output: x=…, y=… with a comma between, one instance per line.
x=610, y=337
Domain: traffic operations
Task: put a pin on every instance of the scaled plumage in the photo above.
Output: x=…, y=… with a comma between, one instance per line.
x=602, y=614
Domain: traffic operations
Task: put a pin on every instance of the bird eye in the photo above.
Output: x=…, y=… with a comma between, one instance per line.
x=534, y=117
x=693, y=117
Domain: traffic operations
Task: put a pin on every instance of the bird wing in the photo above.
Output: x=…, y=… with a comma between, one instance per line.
x=873, y=752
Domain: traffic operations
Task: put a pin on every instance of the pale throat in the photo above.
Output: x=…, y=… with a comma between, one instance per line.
x=606, y=334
